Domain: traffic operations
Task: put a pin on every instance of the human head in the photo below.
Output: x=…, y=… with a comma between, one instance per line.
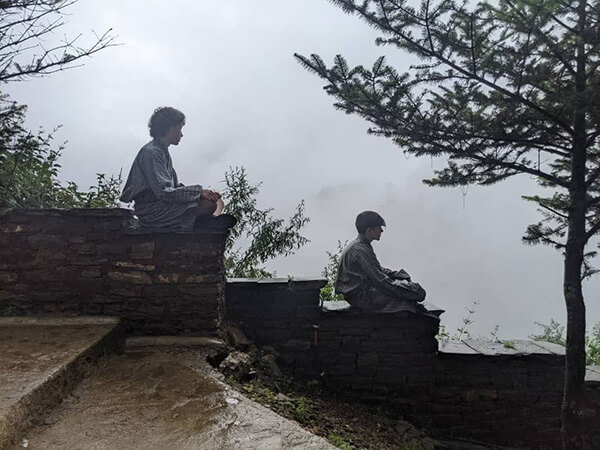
x=163, y=119
x=369, y=223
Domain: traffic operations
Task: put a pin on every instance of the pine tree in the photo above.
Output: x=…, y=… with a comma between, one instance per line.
x=502, y=88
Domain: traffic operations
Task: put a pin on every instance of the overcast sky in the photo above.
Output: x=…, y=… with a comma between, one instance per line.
x=229, y=66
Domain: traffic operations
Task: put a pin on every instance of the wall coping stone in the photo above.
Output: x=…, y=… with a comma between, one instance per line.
x=343, y=307
x=482, y=347
x=455, y=348
x=592, y=374
x=150, y=231
x=130, y=226
x=46, y=321
x=303, y=282
x=78, y=212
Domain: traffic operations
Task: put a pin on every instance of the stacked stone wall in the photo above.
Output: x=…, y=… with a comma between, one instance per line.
x=380, y=357
x=90, y=262
x=279, y=313
x=507, y=393
x=506, y=399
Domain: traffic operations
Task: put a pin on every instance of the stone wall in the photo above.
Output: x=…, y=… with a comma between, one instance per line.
x=508, y=393
x=280, y=313
x=90, y=262
x=379, y=357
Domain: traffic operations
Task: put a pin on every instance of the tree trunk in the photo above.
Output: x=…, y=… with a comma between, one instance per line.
x=573, y=432
x=572, y=411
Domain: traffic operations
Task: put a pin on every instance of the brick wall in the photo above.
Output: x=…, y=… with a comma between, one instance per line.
x=89, y=262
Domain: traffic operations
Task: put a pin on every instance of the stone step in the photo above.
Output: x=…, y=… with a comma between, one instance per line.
x=164, y=398
x=143, y=342
x=42, y=360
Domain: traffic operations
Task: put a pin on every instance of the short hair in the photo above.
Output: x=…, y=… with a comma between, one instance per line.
x=164, y=118
x=368, y=219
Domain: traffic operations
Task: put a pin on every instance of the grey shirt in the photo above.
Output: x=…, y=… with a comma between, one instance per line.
x=152, y=177
x=160, y=199
x=361, y=278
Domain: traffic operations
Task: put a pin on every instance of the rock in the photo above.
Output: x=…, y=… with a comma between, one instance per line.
x=8, y=277
x=237, y=365
x=130, y=265
x=270, y=350
x=270, y=363
x=168, y=278
x=235, y=337
x=216, y=358
x=130, y=277
x=144, y=250
x=282, y=398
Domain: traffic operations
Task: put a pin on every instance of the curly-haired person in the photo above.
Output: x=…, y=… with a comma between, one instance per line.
x=160, y=200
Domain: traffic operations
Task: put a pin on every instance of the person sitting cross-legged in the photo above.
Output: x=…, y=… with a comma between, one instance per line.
x=160, y=200
x=368, y=286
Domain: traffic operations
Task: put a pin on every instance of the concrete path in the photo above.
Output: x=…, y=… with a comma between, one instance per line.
x=164, y=398
x=41, y=360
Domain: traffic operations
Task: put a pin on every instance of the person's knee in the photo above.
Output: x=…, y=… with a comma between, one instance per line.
x=208, y=206
x=219, y=207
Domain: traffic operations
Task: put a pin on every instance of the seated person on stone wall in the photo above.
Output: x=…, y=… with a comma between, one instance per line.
x=368, y=286
x=161, y=201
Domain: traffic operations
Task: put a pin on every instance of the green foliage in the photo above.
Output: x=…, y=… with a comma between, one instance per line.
x=555, y=332
x=443, y=334
x=592, y=346
x=300, y=409
x=338, y=441
x=258, y=236
x=330, y=272
x=494, y=333
x=29, y=169
x=28, y=162
x=412, y=444
x=462, y=332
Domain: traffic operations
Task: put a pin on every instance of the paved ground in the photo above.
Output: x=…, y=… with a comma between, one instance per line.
x=33, y=356
x=160, y=398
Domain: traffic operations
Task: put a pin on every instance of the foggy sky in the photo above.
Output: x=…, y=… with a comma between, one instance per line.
x=228, y=66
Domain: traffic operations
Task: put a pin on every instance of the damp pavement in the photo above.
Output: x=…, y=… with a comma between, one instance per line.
x=40, y=361
x=163, y=397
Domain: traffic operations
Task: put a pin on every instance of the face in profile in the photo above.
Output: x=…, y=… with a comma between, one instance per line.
x=374, y=233
x=174, y=134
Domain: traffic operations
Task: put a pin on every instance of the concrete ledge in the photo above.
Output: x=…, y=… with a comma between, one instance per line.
x=79, y=212
x=299, y=283
x=42, y=361
x=483, y=347
x=52, y=321
x=592, y=374
x=173, y=341
x=343, y=308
